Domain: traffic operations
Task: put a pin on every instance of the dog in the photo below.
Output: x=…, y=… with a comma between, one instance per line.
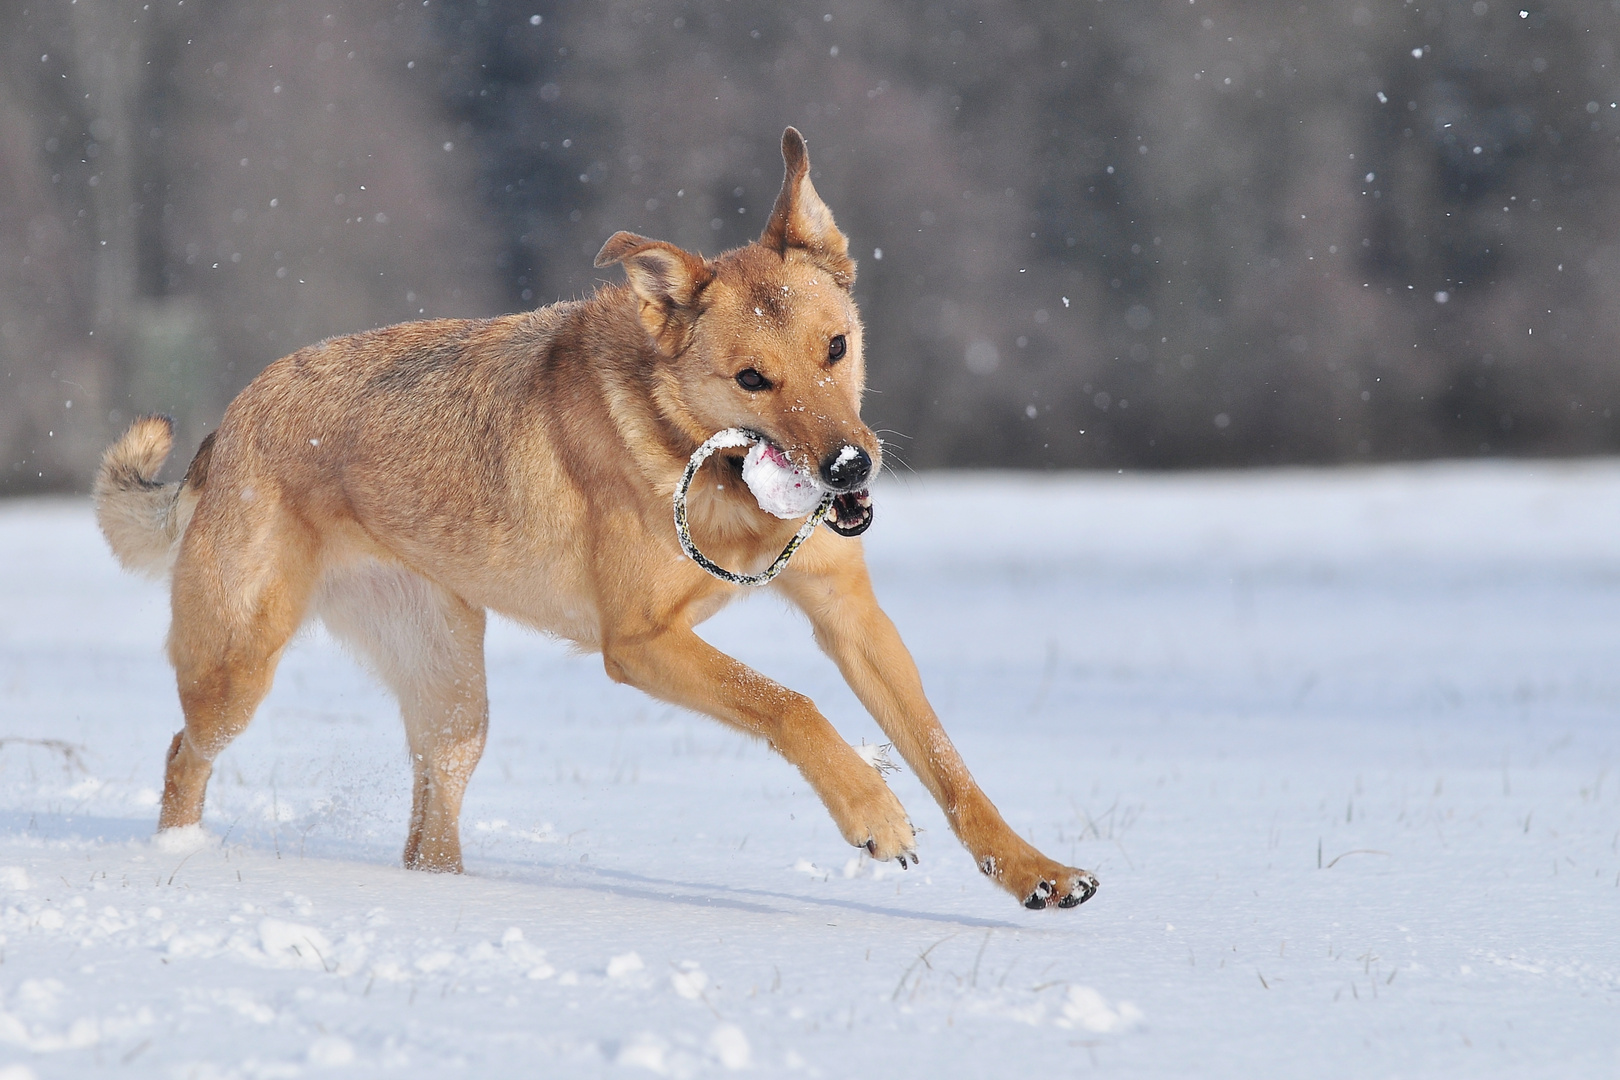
x=401, y=482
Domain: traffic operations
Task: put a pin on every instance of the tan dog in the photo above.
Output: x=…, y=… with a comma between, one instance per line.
x=399, y=483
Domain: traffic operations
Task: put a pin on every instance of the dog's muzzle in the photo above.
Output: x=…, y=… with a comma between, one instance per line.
x=846, y=472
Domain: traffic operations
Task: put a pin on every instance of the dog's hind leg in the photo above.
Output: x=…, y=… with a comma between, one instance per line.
x=428, y=646
x=235, y=605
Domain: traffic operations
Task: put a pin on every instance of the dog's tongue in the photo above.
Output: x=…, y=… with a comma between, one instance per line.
x=851, y=513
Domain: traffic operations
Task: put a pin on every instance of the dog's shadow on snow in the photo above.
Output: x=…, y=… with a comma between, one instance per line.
x=755, y=901
x=57, y=826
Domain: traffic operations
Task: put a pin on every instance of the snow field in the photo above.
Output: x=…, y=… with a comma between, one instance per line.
x=1341, y=747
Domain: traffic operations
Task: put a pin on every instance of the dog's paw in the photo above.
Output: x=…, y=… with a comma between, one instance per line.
x=1043, y=883
x=1080, y=885
x=871, y=847
x=876, y=821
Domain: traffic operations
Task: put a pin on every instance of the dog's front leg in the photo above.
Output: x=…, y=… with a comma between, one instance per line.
x=835, y=592
x=677, y=666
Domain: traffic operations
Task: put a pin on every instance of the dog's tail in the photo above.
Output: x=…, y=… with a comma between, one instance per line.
x=142, y=519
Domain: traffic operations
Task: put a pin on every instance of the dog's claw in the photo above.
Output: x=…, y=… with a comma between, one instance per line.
x=907, y=858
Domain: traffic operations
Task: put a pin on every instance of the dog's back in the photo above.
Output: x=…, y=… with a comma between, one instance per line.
x=409, y=432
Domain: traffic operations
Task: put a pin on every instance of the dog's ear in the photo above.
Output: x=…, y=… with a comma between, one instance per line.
x=801, y=220
x=667, y=281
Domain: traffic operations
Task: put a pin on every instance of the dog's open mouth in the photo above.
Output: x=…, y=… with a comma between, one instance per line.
x=851, y=513
x=787, y=491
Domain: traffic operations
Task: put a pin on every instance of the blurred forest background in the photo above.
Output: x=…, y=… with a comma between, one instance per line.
x=1092, y=233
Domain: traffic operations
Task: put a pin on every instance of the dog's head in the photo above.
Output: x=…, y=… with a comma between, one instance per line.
x=764, y=337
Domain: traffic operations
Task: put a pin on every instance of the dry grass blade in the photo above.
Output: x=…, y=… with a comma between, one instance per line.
x=69, y=752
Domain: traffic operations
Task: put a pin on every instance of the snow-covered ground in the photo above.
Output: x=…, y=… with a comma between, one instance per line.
x=1341, y=746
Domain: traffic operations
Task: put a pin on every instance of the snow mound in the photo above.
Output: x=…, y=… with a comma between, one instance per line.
x=331, y=1052
x=627, y=964
x=689, y=980
x=293, y=945
x=182, y=840
x=1088, y=1010
x=730, y=1045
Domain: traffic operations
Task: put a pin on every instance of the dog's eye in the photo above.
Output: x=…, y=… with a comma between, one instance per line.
x=836, y=349
x=751, y=380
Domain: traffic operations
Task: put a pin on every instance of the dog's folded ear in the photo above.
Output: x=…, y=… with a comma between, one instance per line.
x=801, y=220
x=668, y=281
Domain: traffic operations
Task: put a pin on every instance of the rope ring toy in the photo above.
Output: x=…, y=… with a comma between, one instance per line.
x=721, y=440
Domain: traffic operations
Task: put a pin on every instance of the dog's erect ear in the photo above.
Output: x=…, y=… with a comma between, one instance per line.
x=801, y=220
x=669, y=283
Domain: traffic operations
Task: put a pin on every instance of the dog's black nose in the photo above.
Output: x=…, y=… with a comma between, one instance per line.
x=848, y=469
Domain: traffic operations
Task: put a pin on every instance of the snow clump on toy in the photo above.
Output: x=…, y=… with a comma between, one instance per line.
x=781, y=488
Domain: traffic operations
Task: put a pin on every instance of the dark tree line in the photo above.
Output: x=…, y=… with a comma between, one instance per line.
x=1112, y=234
